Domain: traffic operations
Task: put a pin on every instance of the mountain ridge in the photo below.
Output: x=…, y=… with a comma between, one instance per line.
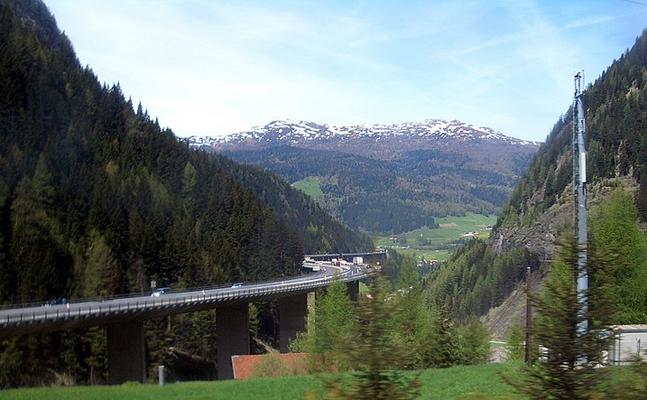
x=96, y=199
x=387, y=177
x=539, y=210
x=314, y=135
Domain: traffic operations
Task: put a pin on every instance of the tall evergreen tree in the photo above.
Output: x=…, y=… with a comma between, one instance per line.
x=377, y=360
x=474, y=343
x=330, y=325
x=615, y=231
x=38, y=256
x=570, y=355
x=408, y=275
x=412, y=328
x=515, y=347
x=445, y=343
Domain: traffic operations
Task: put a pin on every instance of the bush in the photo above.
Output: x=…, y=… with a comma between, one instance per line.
x=272, y=365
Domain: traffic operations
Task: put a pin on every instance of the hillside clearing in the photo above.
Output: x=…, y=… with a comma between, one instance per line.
x=438, y=244
x=311, y=187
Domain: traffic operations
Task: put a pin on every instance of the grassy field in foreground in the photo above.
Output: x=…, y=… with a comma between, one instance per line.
x=437, y=244
x=474, y=382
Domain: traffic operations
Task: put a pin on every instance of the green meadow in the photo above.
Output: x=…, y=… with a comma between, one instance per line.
x=474, y=382
x=479, y=382
x=432, y=244
x=309, y=186
x=438, y=244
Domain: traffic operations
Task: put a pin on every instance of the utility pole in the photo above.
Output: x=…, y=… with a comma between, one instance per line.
x=528, y=349
x=579, y=203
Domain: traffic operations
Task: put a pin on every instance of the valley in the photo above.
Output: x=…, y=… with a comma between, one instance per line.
x=386, y=179
x=439, y=244
x=98, y=201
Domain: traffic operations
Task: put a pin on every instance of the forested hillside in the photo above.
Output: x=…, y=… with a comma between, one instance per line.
x=360, y=190
x=538, y=214
x=97, y=198
x=399, y=194
x=616, y=140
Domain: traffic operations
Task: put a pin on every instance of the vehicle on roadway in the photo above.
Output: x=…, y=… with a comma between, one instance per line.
x=56, y=302
x=236, y=285
x=160, y=291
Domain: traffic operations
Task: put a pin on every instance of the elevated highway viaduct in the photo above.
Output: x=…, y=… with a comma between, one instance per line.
x=123, y=317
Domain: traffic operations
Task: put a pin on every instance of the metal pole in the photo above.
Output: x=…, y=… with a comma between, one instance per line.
x=528, y=355
x=160, y=374
x=580, y=212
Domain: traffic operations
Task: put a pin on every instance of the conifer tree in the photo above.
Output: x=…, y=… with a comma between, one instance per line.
x=376, y=359
x=444, y=338
x=408, y=275
x=473, y=343
x=614, y=230
x=412, y=328
x=515, y=349
x=330, y=324
x=569, y=355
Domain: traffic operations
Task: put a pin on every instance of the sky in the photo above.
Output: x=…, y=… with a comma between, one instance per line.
x=216, y=67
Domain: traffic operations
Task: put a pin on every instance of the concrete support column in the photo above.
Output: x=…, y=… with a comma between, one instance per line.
x=126, y=355
x=293, y=311
x=232, y=331
x=353, y=290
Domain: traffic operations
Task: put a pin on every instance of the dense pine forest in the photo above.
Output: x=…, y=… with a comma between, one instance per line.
x=482, y=275
x=97, y=199
x=400, y=194
x=616, y=117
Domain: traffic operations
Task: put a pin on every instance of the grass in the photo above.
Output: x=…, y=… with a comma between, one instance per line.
x=469, y=382
x=481, y=382
x=438, y=244
x=310, y=186
x=474, y=382
x=452, y=228
x=263, y=388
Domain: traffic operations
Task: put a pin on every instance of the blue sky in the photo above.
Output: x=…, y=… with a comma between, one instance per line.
x=210, y=68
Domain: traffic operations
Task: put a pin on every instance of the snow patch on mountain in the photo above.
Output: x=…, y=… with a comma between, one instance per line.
x=295, y=132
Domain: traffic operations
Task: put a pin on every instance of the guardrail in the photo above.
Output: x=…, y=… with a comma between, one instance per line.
x=138, y=295
x=101, y=307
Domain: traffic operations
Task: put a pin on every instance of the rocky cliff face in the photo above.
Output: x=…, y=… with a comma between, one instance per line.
x=540, y=237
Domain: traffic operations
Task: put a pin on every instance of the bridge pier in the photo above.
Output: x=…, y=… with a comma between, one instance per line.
x=126, y=355
x=353, y=290
x=232, y=331
x=293, y=311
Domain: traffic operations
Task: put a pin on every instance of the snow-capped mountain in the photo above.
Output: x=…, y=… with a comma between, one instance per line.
x=387, y=177
x=381, y=141
x=309, y=134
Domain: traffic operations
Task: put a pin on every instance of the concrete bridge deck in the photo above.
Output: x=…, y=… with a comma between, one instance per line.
x=124, y=317
x=77, y=314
